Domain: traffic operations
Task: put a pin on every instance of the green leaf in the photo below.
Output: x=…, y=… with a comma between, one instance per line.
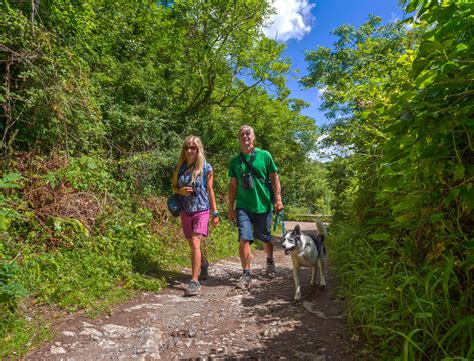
x=461, y=47
x=379, y=236
x=467, y=197
x=453, y=194
x=376, y=220
x=424, y=315
x=458, y=172
x=469, y=245
x=404, y=219
x=406, y=204
x=437, y=217
x=412, y=6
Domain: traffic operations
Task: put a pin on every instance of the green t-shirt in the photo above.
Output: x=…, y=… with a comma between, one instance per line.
x=256, y=200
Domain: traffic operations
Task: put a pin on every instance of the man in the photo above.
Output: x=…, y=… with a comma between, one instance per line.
x=248, y=190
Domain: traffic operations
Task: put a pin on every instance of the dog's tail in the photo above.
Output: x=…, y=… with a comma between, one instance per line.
x=321, y=229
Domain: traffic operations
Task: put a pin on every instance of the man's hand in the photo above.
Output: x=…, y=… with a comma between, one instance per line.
x=278, y=206
x=231, y=215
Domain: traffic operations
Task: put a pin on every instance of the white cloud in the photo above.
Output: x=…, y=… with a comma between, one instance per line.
x=291, y=21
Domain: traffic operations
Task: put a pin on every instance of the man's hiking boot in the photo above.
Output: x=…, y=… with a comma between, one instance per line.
x=270, y=270
x=193, y=288
x=245, y=281
x=204, y=268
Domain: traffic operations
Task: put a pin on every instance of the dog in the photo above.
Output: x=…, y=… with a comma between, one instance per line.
x=306, y=250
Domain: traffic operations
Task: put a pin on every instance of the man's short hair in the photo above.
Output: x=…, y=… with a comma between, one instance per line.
x=246, y=127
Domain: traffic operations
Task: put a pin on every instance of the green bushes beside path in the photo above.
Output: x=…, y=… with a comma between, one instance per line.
x=74, y=238
x=401, y=98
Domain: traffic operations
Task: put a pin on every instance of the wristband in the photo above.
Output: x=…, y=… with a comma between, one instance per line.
x=215, y=214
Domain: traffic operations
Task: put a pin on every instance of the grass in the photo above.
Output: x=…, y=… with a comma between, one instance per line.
x=97, y=272
x=406, y=312
x=18, y=334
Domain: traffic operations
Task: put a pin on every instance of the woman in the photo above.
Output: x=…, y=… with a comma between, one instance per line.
x=193, y=180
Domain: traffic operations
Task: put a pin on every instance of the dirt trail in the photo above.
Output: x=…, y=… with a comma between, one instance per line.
x=220, y=323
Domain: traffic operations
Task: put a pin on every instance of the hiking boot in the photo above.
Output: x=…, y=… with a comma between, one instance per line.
x=270, y=268
x=204, y=268
x=245, y=281
x=193, y=288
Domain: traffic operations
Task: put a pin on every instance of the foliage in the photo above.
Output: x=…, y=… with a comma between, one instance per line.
x=9, y=291
x=130, y=243
x=308, y=189
x=403, y=210
x=130, y=84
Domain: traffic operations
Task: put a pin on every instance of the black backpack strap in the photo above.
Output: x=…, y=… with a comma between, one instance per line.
x=249, y=166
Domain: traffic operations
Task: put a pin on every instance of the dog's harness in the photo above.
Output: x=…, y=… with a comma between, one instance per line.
x=318, y=242
x=279, y=218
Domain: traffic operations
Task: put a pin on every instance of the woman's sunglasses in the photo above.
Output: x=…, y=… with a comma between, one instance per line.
x=189, y=147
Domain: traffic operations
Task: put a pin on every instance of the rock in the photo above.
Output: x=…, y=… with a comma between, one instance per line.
x=309, y=356
x=56, y=350
x=355, y=338
x=68, y=333
x=310, y=307
x=91, y=332
x=107, y=344
x=116, y=331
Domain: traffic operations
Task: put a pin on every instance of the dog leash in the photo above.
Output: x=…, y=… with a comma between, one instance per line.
x=279, y=218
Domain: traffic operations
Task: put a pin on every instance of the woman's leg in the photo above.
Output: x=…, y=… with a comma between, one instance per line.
x=195, y=244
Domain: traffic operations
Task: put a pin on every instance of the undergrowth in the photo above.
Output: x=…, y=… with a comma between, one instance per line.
x=73, y=237
x=406, y=311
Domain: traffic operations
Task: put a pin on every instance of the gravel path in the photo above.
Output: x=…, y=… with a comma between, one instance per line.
x=220, y=323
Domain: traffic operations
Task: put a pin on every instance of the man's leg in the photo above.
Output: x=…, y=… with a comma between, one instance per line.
x=245, y=254
x=263, y=226
x=269, y=249
x=244, y=224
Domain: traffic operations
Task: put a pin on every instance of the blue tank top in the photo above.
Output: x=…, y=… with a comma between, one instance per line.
x=199, y=200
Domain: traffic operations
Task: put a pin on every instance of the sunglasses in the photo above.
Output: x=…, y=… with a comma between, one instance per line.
x=248, y=132
x=189, y=147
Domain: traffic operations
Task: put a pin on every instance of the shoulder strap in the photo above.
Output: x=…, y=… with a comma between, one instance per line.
x=183, y=168
x=250, y=168
x=204, y=176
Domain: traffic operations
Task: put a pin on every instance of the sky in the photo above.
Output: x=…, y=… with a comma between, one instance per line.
x=306, y=24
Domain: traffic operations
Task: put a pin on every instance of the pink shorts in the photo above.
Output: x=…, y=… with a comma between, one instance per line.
x=197, y=223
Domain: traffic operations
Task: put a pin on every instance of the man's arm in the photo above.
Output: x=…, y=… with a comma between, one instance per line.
x=275, y=179
x=232, y=194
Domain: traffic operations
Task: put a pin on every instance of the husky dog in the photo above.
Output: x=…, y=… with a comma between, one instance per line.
x=306, y=250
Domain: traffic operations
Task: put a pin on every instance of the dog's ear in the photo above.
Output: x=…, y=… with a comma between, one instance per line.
x=297, y=230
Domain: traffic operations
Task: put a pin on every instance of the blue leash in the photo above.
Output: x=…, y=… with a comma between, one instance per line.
x=279, y=218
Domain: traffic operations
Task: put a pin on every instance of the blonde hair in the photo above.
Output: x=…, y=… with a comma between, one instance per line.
x=198, y=164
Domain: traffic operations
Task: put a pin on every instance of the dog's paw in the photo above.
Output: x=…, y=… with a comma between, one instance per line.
x=298, y=297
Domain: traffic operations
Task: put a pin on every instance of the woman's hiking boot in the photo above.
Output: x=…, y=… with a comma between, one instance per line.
x=204, y=268
x=193, y=288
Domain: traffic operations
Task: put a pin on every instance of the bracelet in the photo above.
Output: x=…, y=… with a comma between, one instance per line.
x=215, y=214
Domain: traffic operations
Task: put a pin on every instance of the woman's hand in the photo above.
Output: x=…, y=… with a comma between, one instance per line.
x=185, y=191
x=214, y=221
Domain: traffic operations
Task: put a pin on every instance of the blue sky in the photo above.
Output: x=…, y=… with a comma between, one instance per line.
x=305, y=24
